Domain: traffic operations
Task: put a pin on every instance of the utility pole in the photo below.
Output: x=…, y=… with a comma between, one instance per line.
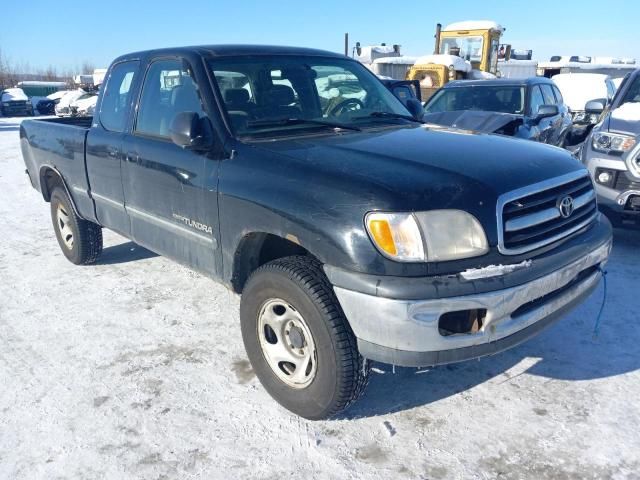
x=346, y=44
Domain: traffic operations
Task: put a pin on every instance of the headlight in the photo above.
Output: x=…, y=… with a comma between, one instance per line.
x=432, y=236
x=612, y=142
x=396, y=235
x=579, y=117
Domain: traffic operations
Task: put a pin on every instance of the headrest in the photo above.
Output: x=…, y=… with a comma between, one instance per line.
x=236, y=96
x=184, y=97
x=281, y=95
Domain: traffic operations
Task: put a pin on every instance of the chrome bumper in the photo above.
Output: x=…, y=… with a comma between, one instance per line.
x=405, y=332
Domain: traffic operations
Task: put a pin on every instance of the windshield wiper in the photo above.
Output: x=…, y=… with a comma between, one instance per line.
x=299, y=121
x=389, y=115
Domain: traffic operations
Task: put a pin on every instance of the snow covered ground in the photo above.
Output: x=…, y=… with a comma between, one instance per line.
x=134, y=368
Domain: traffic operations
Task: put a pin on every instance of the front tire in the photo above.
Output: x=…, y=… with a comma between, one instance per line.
x=298, y=340
x=80, y=240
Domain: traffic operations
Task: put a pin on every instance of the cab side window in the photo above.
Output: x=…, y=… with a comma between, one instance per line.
x=536, y=100
x=559, y=98
x=117, y=96
x=168, y=89
x=547, y=92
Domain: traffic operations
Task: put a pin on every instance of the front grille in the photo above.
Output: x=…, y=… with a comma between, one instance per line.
x=532, y=217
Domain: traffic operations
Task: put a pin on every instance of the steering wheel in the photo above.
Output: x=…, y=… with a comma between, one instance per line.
x=348, y=105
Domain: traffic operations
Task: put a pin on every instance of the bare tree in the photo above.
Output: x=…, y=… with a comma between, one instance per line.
x=50, y=74
x=87, y=67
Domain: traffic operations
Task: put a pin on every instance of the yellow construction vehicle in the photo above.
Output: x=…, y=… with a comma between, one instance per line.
x=463, y=50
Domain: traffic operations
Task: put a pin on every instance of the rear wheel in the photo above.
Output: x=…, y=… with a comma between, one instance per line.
x=298, y=341
x=80, y=240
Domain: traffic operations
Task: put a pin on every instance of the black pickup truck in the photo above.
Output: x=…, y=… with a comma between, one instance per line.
x=353, y=231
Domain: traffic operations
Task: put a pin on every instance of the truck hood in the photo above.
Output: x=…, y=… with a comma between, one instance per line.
x=625, y=118
x=420, y=167
x=483, y=122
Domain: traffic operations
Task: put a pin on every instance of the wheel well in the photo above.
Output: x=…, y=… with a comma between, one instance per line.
x=49, y=179
x=256, y=249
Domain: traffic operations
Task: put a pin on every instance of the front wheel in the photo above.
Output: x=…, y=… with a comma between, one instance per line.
x=298, y=340
x=80, y=240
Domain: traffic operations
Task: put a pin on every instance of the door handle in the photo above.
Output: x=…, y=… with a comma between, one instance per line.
x=112, y=152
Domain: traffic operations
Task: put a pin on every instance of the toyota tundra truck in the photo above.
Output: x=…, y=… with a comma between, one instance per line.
x=353, y=231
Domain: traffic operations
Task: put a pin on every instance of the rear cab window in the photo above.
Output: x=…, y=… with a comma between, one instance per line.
x=116, y=97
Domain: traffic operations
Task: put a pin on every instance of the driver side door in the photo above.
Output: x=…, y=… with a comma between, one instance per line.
x=170, y=192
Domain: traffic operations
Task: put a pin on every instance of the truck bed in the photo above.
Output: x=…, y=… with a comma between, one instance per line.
x=82, y=122
x=58, y=144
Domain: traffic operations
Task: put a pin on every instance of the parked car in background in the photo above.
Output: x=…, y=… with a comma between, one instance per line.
x=14, y=102
x=84, y=105
x=63, y=107
x=577, y=89
x=46, y=106
x=612, y=152
x=531, y=108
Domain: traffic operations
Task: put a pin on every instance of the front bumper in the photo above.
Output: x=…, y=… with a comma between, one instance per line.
x=406, y=331
x=620, y=200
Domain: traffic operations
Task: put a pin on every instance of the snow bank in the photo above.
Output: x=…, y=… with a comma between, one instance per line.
x=629, y=112
x=14, y=94
x=458, y=63
x=473, y=25
x=57, y=95
x=69, y=97
x=480, y=75
x=404, y=60
x=371, y=52
x=578, y=88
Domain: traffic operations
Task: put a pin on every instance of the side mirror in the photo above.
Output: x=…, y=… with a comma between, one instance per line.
x=595, y=106
x=545, y=111
x=186, y=131
x=415, y=108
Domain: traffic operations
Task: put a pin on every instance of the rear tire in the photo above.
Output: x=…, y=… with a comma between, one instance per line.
x=304, y=324
x=80, y=240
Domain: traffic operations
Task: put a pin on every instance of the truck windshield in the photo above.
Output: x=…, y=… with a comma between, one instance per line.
x=507, y=99
x=276, y=93
x=633, y=93
x=470, y=47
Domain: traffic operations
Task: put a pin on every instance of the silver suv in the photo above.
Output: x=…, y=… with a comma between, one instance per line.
x=611, y=152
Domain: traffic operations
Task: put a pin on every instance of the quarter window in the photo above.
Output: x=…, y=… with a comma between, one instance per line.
x=537, y=100
x=558, y=95
x=547, y=92
x=117, y=96
x=168, y=89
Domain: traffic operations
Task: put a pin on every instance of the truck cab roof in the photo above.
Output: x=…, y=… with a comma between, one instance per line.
x=230, y=51
x=501, y=82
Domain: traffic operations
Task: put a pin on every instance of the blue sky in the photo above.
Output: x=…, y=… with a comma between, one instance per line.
x=66, y=33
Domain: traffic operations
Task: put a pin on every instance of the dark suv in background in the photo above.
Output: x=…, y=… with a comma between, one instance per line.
x=14, y=102
x=531, y=108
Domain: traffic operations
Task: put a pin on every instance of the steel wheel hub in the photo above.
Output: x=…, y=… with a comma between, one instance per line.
x=62, y=220
x=287, y=344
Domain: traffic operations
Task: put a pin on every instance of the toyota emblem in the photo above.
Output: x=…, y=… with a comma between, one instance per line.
x=565, y=206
